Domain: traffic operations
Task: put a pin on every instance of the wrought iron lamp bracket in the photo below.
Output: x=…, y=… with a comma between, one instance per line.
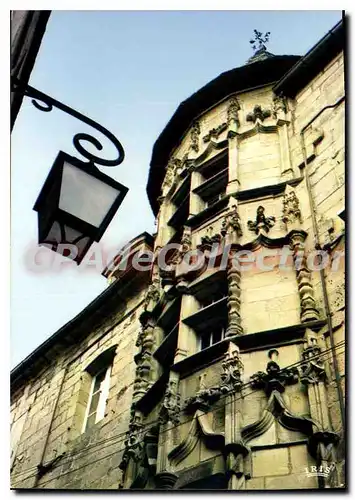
x=47, y=103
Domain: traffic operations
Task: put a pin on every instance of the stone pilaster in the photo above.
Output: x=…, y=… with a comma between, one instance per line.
x=233, y=157
x=235, y=450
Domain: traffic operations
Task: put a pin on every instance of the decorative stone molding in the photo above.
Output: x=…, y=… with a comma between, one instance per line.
x=258, y=114
x=309, y=310
x=233, y=301
x=261, y=223
x=277, y=409
x=204, y=398
x=171, y=407
x=165, y=480
x=195, y=136
x=231, y=223
x=200, y=428
x=232, y=370
x=291, y=213
x=274, y=379
x=215, y=132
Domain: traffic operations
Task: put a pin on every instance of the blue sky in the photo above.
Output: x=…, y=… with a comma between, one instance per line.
x=129, y=71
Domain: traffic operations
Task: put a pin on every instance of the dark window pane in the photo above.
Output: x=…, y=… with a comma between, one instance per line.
x=98, y=379
x=216, y=336
x=205, y=341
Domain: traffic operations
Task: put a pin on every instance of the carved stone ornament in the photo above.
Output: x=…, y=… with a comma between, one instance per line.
x=171, y=407
x=154, y=290
x=261, y=223
x=204, y=398
x=134, y=439
x=279, y=105
x=185, y=246
x=214, y=133
x=291, y=208
x=274, y=379
x=231, y=222
x=232, y=112
x=209, y=239
x=195, y=135
x=258, y=114
x=232, y=370
x=172, y=170
x=312, y=370
x=144, y=361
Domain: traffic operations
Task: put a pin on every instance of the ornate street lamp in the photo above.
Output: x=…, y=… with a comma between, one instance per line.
x=76, y=204
x=77, y=201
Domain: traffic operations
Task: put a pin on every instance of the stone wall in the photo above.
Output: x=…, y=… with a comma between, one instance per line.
x=48, y=417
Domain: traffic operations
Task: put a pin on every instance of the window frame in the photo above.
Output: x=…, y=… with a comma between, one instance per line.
x=104, y=389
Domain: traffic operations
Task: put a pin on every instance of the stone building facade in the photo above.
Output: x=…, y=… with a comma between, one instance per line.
x=221, y=365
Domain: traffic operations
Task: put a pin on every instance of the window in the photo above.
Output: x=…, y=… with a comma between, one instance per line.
x=95, y=410
x=211, y=337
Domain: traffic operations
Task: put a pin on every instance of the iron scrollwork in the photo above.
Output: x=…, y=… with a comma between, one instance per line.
x=46, y=104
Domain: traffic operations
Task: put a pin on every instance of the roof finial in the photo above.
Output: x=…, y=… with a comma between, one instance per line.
x=259, y=46
x=259, y=41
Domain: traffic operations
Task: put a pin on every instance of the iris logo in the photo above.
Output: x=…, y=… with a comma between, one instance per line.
x=323, y=471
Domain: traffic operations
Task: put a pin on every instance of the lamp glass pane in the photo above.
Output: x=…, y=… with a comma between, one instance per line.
x=85, y=196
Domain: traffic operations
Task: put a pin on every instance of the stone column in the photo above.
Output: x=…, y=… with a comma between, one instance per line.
x=233, y=302
x=309, y=310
